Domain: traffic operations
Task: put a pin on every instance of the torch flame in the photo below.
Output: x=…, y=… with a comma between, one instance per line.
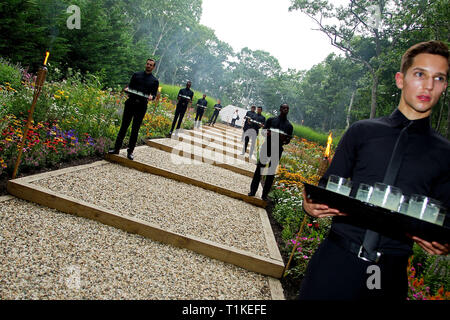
x=328, y=149
x=47, y=54
x=159, y=89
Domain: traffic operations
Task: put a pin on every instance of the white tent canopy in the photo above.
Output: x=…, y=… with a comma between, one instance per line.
x=226, y=114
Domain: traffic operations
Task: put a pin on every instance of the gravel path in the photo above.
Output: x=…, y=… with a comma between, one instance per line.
x=172, y=205
x=194, y=169
x=46, y=254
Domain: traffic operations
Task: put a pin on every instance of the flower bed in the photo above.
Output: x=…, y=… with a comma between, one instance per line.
x=73, y=118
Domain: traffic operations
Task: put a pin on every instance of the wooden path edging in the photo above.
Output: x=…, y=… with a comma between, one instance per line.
x=200, y=158
x=143, y=167
x=252, y=262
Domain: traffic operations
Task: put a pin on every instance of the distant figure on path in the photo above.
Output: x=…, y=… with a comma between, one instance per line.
x=235, y=118
x=214, y=116
x=278, y=131
x=257, y=123
x=185, y=97
x=250, y=115
x=201, y=106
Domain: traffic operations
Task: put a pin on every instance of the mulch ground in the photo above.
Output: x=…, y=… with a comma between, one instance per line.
x=290, y=286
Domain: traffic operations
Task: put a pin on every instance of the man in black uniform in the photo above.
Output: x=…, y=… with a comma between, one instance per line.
x=201, y=106
x=145, y=83
x=215, y=114
x=339, y=269
x=258, y=122
x=250, y=115
x=185, y=97
x=278, y=131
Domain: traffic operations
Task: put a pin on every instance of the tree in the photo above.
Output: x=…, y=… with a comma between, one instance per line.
x=381, y=24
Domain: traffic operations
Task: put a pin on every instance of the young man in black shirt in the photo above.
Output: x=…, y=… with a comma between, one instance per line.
x=258, y=122
x=215, y=114
x=339, y=270
x=201, y=106
x=279, y=133
x=144, y=84
x=250, y=115
x=185, y=97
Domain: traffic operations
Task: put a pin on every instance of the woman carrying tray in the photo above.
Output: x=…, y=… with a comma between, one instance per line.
x=355, y=262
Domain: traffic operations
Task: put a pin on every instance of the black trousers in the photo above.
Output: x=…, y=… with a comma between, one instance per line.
x=269, y=177
x=132, y=112
x=199, y=114
x=179, y=114
x=214, y=117
x=337, y=274
x=246, y=141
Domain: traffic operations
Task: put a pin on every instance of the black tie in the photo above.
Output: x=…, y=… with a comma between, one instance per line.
x=372, y=238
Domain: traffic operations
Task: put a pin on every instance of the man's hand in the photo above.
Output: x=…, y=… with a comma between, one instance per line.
x=432, y=247
x=319, y=210
x=150, y=97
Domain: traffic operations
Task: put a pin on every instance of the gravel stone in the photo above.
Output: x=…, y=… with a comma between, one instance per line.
x=46, y=254
x=172, y=205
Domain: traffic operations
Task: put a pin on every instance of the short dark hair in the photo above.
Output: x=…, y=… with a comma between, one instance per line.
x=260, y=108
x=150, y=59
x=431, y=47
x=252, y=107
x=284, y=105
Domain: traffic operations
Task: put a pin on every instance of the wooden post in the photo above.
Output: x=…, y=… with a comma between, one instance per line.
x=42, y=73
x=295, y=245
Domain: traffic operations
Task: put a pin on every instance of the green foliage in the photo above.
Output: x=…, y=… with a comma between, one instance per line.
x=10, y=74
x=435, y=270
x=310, y=134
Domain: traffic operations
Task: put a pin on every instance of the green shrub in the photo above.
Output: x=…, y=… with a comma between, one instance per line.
x=10, y=74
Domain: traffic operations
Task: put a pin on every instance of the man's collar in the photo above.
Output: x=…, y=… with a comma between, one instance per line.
x=398, y=119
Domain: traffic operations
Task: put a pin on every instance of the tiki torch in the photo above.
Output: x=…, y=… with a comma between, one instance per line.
x=323, y=166
x=325, y=161
x=42, y=73
x=158, y=96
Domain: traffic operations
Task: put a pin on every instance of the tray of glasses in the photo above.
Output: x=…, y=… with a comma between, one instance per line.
x=380, y=219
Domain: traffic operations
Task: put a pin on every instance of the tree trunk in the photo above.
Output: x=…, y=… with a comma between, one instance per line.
x=350, y=109
x=441, y=112
x=373, y=107
x=159, y=64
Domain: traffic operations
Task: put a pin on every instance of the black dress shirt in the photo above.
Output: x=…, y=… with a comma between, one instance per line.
x=201, y=102
x=363, y=155
x=281, y=124
x=217, y=106
x=247, y=125
x=260, y=118
x=182, y=94
x=145, y=83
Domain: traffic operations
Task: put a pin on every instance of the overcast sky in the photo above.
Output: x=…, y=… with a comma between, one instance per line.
x=268, y=25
